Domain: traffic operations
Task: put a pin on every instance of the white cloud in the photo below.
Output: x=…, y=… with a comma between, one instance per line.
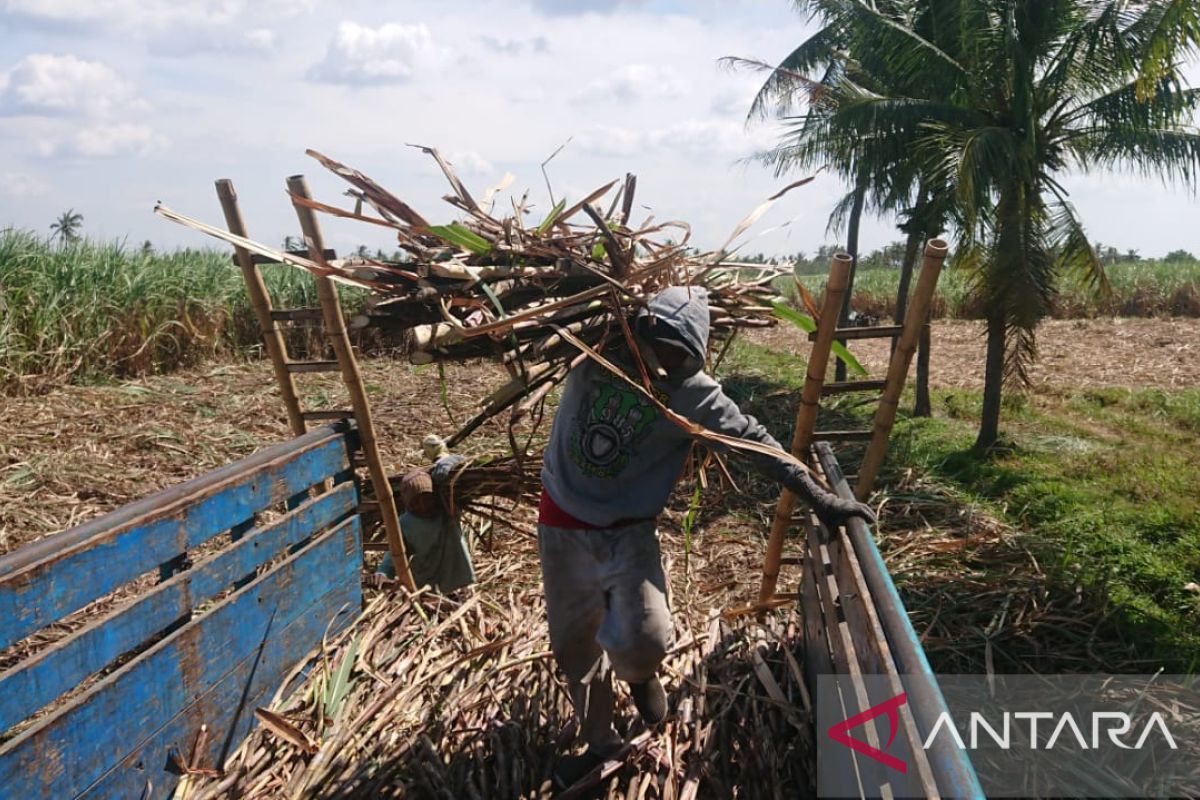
x=148, y=15
x=393, y=53
x=48, y=84
x=19, y=184
x=635, y=82
x=561, y=8
x=234, y=41
x=691, y=137
x=512, y=47
x=174, y=28
x=735, y=101
x=469, y=162
x=106, y=141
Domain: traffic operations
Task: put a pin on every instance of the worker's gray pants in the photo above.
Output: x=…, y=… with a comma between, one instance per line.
x=606, y=604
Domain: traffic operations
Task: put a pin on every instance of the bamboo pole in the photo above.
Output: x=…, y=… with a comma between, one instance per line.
x=260, y=301
x=806, y=415
x=335, y=331
x=915, y=319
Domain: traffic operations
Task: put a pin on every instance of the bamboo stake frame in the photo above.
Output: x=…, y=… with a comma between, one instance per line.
x=889, y=403
x=335, y=332
x=260, y=301
x=806, y=415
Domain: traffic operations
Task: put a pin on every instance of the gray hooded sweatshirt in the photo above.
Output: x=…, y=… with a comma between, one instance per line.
x=612, y=455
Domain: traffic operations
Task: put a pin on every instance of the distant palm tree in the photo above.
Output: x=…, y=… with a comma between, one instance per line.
x=67, y=226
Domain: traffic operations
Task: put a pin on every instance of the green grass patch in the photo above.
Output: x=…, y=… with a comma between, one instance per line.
x=1107, y=488
x=1103, y=483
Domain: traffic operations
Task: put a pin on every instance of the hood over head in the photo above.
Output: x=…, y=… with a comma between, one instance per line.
x=679, y=315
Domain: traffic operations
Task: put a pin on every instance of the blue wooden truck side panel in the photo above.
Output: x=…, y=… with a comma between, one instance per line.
x=114, y=739
x=38, y=681
x=56, y=586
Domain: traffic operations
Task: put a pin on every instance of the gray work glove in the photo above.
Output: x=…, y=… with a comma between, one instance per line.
x=444, y=467
x=830, y=509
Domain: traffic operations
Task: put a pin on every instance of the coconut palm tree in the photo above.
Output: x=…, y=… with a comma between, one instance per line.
x=67, y=226
x=989, y=102
x=807, y=89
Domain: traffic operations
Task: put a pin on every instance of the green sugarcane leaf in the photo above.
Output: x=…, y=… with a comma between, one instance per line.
x=461, y=237
x=806, y=324
x=552, y=216
x=340, y=686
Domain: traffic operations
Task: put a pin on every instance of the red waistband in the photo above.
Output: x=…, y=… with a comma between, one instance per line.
x=549, y=513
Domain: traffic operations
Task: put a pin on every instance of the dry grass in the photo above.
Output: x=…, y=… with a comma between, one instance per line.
x=459, y=698
x=78, y=452
x=1072, y=354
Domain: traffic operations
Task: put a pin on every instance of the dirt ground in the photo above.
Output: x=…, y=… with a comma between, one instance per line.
x=1072, y=354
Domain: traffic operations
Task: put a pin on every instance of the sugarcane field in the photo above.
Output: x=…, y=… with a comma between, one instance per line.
x=600, y=399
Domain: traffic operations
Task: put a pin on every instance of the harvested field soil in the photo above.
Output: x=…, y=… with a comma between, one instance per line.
x=1072, y=354
x=78, y=452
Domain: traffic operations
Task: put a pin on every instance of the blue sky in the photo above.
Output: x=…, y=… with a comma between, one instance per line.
x=109, y=105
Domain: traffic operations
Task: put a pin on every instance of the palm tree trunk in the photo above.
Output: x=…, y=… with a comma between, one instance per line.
x=852, y=226
x=906, y=271
x=922, y=406
x=993, y=379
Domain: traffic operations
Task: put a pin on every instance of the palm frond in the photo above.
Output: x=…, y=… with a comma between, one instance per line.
x=1171, y=35
x=1075, y=253
x=789, y=83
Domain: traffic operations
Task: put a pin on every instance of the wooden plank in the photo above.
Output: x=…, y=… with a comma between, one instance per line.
x=35, y=682
x=817, y=658
x=872, y=332
x=841, y=436
x=180, y=518
x=843, y=387
x=338, y=414
x=228, y=708
x=328, y=255
x=72, y=748
x=312, y=366
x=876, y=659
x=296, y=314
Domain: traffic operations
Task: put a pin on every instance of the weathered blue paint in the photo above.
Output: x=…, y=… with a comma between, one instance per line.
x=78, y=745
x=43, y=592
x=228, y=708
x=37, y=681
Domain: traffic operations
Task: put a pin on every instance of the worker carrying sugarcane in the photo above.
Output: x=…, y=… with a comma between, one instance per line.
x=611, y=463
x=433, y=538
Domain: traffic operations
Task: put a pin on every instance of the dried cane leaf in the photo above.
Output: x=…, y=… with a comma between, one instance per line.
x=285, y=730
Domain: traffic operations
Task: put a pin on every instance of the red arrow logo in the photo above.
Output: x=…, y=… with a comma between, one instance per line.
x=840, y=733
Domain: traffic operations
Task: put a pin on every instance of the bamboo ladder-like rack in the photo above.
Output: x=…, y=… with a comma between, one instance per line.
x=805, y=434
x=332, y=321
